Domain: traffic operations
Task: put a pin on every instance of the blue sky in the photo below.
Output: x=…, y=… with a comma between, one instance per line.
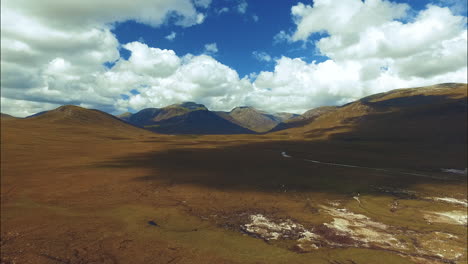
x=238, y=35
x=277, y=56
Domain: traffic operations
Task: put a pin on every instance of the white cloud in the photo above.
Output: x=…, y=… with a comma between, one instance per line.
x=53, y=52
x=200, y=18
x=255, y=18
x=262, y=56
x=49, y=59
x=86, y=13
x=23, y=108
x=152, y=62
x=171, y=36
x=296, y=86
x=222, y=10
x=202, y=3
x=211, y=48
x=242, y=7
x=282, y=36
x=369, y=49
x=198, y=78
x=345, y=17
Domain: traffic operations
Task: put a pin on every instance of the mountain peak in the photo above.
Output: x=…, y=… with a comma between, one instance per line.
x=189, y=106
x=244, y=108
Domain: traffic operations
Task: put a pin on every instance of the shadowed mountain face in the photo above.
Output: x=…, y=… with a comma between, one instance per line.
x=249, y=118
x=197, y=122
x=434, y=113
x=185, y=118
x=125, y=116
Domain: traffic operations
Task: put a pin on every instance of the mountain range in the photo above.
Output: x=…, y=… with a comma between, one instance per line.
x=437, y=111
x=193, y=118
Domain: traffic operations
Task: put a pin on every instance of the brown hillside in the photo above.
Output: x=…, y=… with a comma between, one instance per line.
x=304, y=119
x=70, y=120
x=426, y=113
x=6, y=116
x=253, y=119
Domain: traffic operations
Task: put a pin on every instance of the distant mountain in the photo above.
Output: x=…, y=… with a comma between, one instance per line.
x=37, y=114
x=125, y=116
x=185, y=118
x=435, y=113
x=283, y=116
x=253, y=119
x=77, y=115
x=305, y=118
x=6, y=116
x=249, y=118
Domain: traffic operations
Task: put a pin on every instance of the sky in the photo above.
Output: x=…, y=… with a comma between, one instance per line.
x=277, y=56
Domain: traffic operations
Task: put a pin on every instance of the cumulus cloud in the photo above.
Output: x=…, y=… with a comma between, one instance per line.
x=73, y=14
x=370, y=50
x=171, y=36
x=211, y=48
x=22, y=108
x=345, y=17
x=296, y=85
x=197, y=78
x=53, y=52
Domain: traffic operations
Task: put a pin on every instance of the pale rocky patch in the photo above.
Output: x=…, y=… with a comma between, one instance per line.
x=363, y=229
x=450, y=200
x=349, y=229
x=268, y=229
x=452, y=217
x=456, y=171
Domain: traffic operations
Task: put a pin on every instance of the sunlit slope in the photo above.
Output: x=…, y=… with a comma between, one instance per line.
x=71, y=121
x=432, y=113
x=304, y=119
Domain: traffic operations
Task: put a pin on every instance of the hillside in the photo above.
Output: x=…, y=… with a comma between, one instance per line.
x=70, y=120
x=303, y=119
x=254, y=119
x=435, y=113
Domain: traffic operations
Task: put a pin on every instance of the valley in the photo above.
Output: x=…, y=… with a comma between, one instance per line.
x=379, y=180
